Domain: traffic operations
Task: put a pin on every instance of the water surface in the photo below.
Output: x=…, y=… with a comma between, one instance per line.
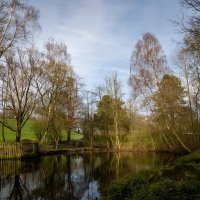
x=72, y=177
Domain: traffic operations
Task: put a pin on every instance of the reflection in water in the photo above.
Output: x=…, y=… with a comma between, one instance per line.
x=72, y=177
x=19, y=190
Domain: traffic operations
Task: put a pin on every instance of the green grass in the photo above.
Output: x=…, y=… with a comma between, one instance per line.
x=28, y=133
x=74, y=136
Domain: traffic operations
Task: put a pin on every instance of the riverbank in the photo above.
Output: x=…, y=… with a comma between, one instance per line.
x=28, y=148
x=81, y=147
x=72, y=150
x=82, y=150
x=180, y=180
x=32, y=149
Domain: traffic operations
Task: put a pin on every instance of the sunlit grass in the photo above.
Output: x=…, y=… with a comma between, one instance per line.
x=28, y=133
x=74, y=135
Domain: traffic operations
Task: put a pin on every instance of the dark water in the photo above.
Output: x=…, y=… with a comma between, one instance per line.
x=84, y=177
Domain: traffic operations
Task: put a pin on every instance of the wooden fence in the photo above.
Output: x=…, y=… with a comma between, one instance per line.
x=10, y=167
x=18, y=150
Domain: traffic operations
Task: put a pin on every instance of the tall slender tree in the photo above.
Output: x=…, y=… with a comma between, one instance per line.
x=50, y=83
x=148, y=66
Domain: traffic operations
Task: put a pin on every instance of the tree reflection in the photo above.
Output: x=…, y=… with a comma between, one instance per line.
x=75, y=177
x=19, y=191
x=70, y=189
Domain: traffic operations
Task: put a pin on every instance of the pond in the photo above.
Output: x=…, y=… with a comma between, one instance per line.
x=76, y=177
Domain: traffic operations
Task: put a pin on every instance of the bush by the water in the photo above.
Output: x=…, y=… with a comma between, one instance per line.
x=179, y=181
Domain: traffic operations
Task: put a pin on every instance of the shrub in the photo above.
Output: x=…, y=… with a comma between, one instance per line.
x=38, y=127
x=158, y=185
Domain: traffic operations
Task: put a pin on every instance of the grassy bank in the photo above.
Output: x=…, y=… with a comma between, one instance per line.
x=28, y=133
x=177, y=181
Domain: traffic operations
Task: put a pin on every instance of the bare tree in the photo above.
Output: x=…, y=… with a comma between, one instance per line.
x=17, y=21
x=3, y=95
x=113, y=89
x=188, y=64
x=190, y=25
x=88, y=113
x=58, y=86
x=71, y=101
x=194, y=4
x=20, y=98
x=50, y=84
x=148, y=65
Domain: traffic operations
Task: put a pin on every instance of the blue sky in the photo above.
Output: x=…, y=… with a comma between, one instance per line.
x=101, y=34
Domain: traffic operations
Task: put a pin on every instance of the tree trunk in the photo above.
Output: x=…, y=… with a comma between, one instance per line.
x=47, y=126
x=68, y=136
x=197, y=109
x=189, y=98
x=18, y=133
x=4, y=112
x=18, y=136
x=3, y=133
x=117, y=142
x=56, y=142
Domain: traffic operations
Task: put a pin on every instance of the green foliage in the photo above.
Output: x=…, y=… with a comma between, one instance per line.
x=126, y=187
x=138, y=141
x=172, y=116
x=169, y=102
x=178, y=181
x=104, y=118
x=193, y=158
x=38, y=128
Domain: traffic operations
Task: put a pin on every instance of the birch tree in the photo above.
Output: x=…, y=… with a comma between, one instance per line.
x=50, y=84
x=113, y=89
x=148, y=66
